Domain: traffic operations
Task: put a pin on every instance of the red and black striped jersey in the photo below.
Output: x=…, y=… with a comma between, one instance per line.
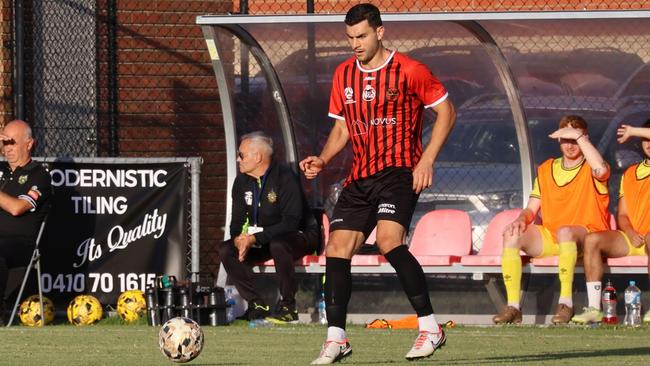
x=383, y=111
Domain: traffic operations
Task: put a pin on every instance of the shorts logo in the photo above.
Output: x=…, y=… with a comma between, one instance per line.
x=369, y=93
x=386, y=208
x=359, y=128
x=336, y=221
x=248, y=197
x=392, y=94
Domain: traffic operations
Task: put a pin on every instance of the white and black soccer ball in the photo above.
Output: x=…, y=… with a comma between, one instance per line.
x=181, y=339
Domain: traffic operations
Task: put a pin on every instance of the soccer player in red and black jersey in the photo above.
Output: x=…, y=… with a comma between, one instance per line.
x=378, y=99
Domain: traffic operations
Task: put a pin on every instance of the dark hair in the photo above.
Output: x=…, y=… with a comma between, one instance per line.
x=573, y=121
x=361, y=12
x=646, y=124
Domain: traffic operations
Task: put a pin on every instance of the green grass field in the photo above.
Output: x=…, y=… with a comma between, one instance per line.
x=112, y=344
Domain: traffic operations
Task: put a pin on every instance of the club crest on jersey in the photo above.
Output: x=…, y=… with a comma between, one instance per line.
x=392, y=94
x=272, y=197
x=369, y=93
x=22, y=179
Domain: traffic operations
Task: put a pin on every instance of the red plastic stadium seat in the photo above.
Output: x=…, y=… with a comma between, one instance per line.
x=630, y=261
x=441, y=237
x=490, y=252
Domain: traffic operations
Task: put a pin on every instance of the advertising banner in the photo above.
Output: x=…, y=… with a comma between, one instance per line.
x=113, y=227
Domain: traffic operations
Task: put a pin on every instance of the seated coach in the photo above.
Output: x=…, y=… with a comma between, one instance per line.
x=25, y=189
x=270, y=219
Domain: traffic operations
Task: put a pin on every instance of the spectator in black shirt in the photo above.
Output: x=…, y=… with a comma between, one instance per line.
x=270, y=219
x=25, y=189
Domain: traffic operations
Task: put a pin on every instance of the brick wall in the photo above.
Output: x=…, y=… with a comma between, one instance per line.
x=168, y=102
x=341, y=6
x=5, y=62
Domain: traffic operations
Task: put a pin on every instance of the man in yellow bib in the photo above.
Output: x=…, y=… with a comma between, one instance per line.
x=571, y=193
x=633, y=226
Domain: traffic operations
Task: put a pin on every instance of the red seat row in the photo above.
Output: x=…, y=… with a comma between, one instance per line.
x=444, y=238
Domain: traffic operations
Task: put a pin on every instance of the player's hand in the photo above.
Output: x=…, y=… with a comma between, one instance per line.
x=636, y=239
x=243, y=243
x=516, y=228
x=422, y=176
x=311, y=166
x=624, y=133
x=567, y=133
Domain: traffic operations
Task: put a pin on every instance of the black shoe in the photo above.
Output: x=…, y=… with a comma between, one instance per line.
x=284, y=315
x=258, y=310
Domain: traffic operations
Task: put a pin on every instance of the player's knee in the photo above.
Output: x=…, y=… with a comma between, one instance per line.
x=592, y=243
x=566, y=233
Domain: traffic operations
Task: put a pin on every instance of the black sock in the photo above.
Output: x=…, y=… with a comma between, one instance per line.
x=412, y=278
x=338, y=287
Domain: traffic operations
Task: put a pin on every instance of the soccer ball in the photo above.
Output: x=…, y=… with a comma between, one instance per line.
x=30, y=311
x=131, y=305
x=84, y=310
x=181, y=339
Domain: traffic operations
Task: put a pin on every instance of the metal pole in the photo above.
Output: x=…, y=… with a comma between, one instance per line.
x=195, y=207
x=111, y=25
x=19, y=61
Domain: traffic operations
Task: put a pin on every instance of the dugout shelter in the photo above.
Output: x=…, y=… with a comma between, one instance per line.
x=511, y=76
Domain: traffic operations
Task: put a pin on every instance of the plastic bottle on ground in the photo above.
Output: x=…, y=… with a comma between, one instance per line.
x=632, y=305
x=609, y=304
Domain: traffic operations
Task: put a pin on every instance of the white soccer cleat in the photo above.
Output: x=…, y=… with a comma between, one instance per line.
x=333, y=351
x=426, y=344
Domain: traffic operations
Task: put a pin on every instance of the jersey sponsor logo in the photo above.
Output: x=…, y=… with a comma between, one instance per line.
x=349, y=95
x=272, y=197
x=369, y=93
x=383, y=121
x=386, y=208
x=392, y=94
x=359, y=128
x=369, y=78
x=248, y=197
x=22, y=179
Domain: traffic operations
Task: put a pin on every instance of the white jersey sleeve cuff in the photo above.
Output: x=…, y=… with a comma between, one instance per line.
x=336, y=116
x=30, y=200
x=440, y=100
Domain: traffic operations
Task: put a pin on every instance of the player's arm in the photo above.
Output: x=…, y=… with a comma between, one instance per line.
x=624, y=224
x=599, y=167
x=626, y=131
x=336, y=141
x=525, y=218
x=445, y=120
x=14, y=206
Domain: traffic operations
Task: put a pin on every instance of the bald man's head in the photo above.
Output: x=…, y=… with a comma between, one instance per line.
x=17, y=143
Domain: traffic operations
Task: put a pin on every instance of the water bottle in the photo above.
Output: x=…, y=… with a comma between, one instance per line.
x=632, y=305
x=322, y=313
x=259, y=323
x=609, y=304
x=230, y=304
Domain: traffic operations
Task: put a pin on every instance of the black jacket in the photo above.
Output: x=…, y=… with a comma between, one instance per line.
x=283, y=205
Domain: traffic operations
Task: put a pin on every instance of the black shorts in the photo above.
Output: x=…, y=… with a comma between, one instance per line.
x=387, y=195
